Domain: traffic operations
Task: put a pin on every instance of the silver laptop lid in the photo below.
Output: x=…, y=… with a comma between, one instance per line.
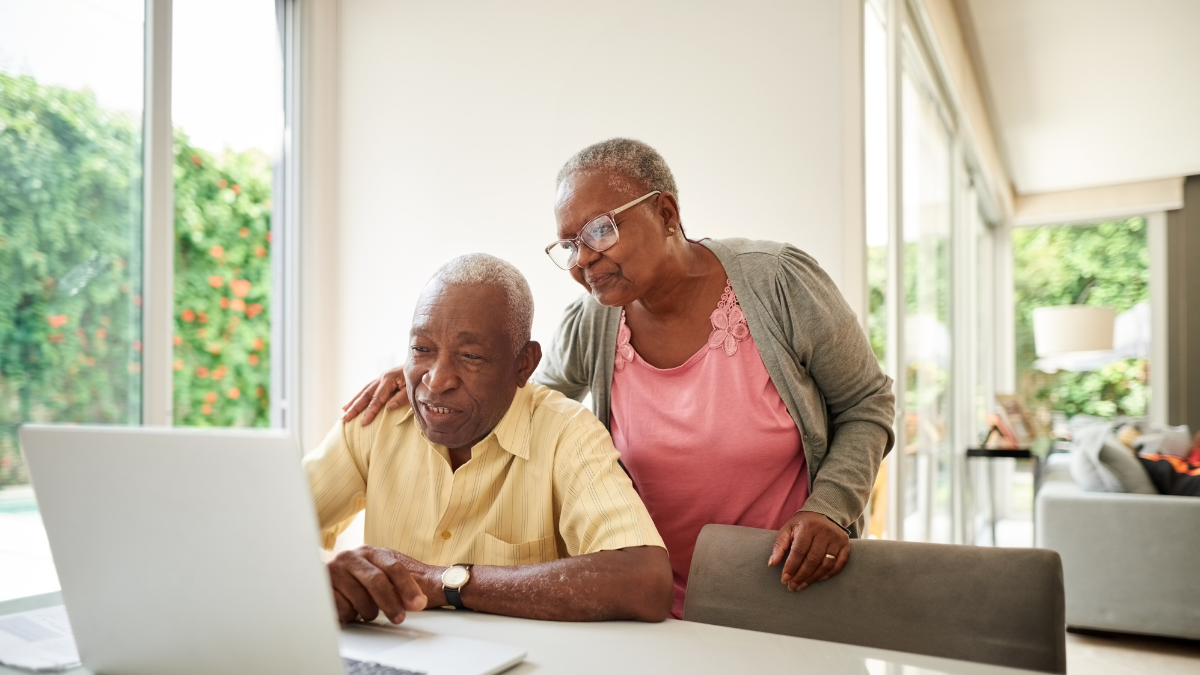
x=185, y=551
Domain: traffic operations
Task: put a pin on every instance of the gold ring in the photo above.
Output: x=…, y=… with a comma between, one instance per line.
x=831, y=557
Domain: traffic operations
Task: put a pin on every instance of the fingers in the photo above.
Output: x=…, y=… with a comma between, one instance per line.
x=783, y=542
x=346, y=586
x=345, y=611
x=355, y=397
x=842, y=556
x=360, y=402
x=367, y=588
x=802, y=543
x=399, y=400
x=409, y=591
x=383, y=390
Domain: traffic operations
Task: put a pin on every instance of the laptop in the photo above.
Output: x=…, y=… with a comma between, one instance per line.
x=196, y=552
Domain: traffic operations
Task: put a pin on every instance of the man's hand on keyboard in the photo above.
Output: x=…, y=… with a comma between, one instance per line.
x=368, y=580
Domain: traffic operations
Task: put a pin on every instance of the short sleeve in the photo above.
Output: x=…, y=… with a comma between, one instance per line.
x=600, y=510
x=337, y=477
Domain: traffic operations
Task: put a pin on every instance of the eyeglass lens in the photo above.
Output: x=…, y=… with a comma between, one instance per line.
x=599, y=235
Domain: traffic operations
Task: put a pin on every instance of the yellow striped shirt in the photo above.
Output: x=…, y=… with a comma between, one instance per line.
x=545, y=484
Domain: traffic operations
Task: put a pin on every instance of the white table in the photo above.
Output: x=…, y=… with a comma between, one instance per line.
x=627, y=648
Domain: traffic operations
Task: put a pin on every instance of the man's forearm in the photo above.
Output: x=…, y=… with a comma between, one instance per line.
x=633, y=583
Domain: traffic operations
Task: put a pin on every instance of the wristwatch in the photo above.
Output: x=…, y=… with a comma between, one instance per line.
x=453, y=579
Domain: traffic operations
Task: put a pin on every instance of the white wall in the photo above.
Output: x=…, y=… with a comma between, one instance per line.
x=455, y=116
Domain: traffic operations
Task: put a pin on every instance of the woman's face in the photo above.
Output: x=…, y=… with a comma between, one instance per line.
x=625, y=272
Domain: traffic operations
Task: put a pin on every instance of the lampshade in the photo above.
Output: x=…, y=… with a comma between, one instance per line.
x=1072, y=328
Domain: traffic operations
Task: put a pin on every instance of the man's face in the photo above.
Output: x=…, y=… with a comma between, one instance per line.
x=462, y=372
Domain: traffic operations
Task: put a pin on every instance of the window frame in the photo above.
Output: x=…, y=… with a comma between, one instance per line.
x=158, y=227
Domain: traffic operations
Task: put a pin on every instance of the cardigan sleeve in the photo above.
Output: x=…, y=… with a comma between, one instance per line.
x=830, y=345
x=564, y=367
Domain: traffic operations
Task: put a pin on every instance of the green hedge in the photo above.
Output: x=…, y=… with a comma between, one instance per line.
x=70, y=275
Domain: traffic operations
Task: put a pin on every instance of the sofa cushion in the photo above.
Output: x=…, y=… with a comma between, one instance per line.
x=1121, y=463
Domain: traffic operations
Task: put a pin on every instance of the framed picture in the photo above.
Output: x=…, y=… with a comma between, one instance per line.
x=1022, y=424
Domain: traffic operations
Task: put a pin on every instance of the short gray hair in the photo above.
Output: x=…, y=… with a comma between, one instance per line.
x=481, y=269
x=626, y=157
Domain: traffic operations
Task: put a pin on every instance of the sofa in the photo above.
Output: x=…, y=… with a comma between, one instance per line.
x=1131, y=562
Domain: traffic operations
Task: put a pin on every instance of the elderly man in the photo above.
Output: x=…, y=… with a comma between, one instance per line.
x=489, y=492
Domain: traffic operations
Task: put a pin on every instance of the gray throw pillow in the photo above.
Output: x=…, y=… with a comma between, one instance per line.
x=1123, y=465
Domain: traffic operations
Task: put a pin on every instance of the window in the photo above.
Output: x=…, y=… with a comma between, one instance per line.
x=227, y=105
x=927, y=357
x=929, y=261
x=74, y=347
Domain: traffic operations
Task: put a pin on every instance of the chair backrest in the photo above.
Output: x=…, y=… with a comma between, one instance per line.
x=1002, y=606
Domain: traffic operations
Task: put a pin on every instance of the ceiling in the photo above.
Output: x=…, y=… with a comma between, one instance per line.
x=1086, y=93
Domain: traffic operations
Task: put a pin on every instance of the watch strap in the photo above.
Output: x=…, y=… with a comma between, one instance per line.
x=453, y=597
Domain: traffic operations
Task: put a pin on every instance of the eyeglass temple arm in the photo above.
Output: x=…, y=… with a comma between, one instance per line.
x=635, y=202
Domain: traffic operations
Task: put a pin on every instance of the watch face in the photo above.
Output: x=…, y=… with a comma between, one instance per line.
x=455, y=577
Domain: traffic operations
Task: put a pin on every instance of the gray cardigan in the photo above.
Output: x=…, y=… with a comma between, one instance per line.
x=814, y=350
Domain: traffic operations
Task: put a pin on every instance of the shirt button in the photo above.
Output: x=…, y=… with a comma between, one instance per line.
x=446, y=534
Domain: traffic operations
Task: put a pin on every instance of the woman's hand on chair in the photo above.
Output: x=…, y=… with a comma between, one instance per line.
x=814, y=547
x=388, y=390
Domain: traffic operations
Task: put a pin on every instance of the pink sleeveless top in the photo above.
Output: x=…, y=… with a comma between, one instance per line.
x=709, y=441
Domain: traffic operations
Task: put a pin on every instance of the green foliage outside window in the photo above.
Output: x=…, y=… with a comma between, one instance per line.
x=1107, y=265
x=70, y=247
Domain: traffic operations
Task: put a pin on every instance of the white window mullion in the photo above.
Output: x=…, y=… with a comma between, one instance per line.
x=158, y=221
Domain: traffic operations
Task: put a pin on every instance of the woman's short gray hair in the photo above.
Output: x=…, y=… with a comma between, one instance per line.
x=624, y=156
x=488, y=270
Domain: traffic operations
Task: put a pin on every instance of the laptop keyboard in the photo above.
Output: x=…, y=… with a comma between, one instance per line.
x=367, y=668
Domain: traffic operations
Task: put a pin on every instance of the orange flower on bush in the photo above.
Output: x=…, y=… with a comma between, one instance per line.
x=268, y=237
x=178, y=365
x=216, y=252
x=137, y=345
x=260, y=251
x=254, y=310
x=177, y=340
x=202, y=372
x=259, y=392
x=237, y=189
x=253, y=359
x=244, y=232
x=257, y=344
x=234, y=393
x=91, y=361
x=57, y=321
x=238, y=305
x=196, y=160
x=219, y=372
x=206, y=409
x=215, y=281
x=224, y=303
x=202, y=333
x=101, y=333
x=137, y=300
x=240, y=287
x=210, y=397
x=214, y=349
x=222, y=183
x=188, y=315
x=203, y=316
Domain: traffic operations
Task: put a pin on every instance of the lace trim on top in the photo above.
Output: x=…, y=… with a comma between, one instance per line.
x=728, y=322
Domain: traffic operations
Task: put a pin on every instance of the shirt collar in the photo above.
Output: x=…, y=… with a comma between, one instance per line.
x=512, y=433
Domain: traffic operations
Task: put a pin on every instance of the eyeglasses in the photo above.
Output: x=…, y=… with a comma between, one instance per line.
x=600, y=234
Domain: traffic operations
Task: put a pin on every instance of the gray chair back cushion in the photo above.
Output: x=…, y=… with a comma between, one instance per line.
x=1002, y=606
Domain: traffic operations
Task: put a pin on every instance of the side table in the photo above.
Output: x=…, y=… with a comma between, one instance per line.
x=1003, y=453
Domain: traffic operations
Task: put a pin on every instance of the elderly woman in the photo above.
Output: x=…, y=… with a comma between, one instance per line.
x=737, y=384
